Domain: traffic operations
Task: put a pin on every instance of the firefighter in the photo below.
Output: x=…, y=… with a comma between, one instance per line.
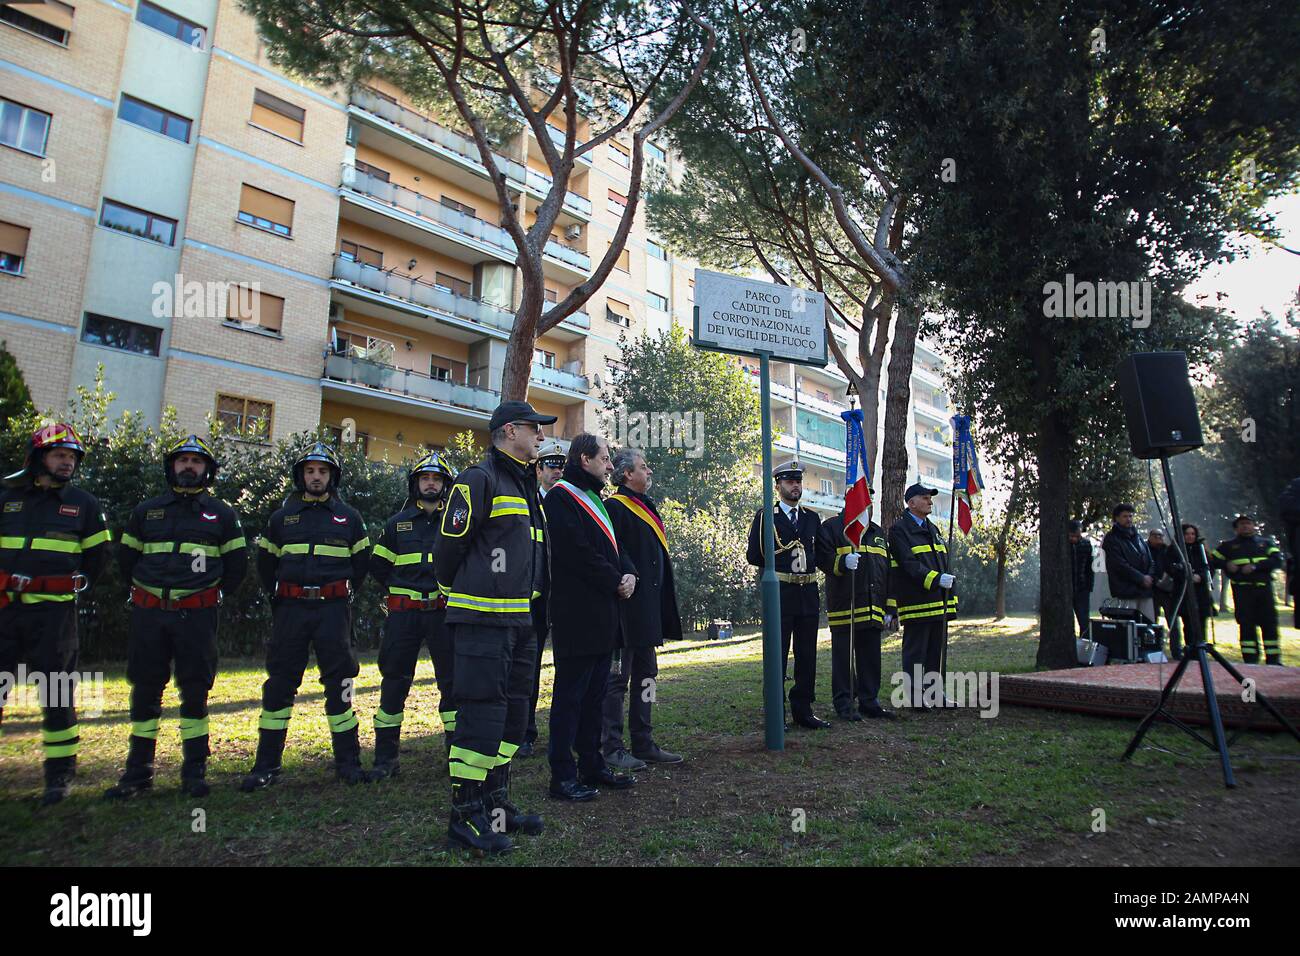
x=53, y=546
x=312, y=560
x=796, y=550
x=402, y=563
x=857, y=584
x=489, y=559
x=920, y=585
x=1249, y=560
x=181, y=551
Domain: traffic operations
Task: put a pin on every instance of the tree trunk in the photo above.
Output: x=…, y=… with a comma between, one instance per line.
x=1056, y=617
x=519, y=350
x=873, y=360
x=893, y=463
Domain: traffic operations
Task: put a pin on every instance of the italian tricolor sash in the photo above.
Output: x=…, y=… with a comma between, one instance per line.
x=595, y=508
x=646, y=515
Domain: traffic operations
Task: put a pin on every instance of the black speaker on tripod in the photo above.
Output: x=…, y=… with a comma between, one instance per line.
x=1158, y=404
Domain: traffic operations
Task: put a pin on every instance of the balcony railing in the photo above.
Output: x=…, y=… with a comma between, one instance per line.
x=559, y=378
x=412, y=384
x=934, y=412
x=811, y=448
x=932, y=446
x=421, y=293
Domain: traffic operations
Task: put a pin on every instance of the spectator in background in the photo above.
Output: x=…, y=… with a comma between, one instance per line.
x=1200, y=599
x=1289, y=507
x=1081, y=575
x=1170, y=576
x=1130, y=568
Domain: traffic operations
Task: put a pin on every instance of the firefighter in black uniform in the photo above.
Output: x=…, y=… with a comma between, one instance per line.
x=53, y=545
x=181, y=551
x=1249, y=560
x=920, y=586
x=402, y=563
x=489, y=559
x=796, y=551
x=312, y=560
x=857, y=588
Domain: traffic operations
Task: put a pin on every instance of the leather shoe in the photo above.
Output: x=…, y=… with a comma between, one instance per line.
x=525, y=749
x=811, y=721
x=877, y=713
x=657, y=754
x=847, y=714
x=572, y=790
x=605, y=777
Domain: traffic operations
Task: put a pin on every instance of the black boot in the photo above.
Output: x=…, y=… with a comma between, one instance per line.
x=347, y=757
x=195, y=765
x=138, y=774
x=59, y=772
x=386, y=763
x=469, y=828
x=497, y=805
x=266, y=767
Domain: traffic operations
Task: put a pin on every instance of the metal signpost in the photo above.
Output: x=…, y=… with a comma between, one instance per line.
x=748, y=317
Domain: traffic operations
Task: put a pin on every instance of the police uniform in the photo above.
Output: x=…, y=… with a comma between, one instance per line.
x=918, y=556
x=53, y=545
x=180, y=551
x=795, y=561
x=1249, y=563
x=402, y=561
x=312, y=559
x=855, y=599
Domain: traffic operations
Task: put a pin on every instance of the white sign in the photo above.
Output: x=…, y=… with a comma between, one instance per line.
x=747, y=316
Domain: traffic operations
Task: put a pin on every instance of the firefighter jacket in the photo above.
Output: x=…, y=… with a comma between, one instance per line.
x=917, y=556
x=402, y=558
x=866, y=601
x=1248, y=562
x=492, y=544
x=178, y=544
x=795, y=558
x=51, y=532
x=312, y=542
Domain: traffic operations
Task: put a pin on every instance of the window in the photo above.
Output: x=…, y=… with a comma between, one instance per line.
x=248, y=418
x=138, y=222
x=154, y=118
x=624, y=262
x=655, y=153
x=23, y=127
x=277, y=116
x=265, y=210
x=51, y=19
x=552, y=296
x=827, y=488
x=13, y=248
x=439, y=373
x=656, y=251
x=359, y=253
x=657, y=301
x=614, y=368
x=249, y=307
x=620, y=313
x=458, y=206
x=361, y=438
x=617, y=203
x=443, y=369
x=120, y=334
x=543, y=357
x=824, y=396
x=620, y=154
x=375, y=171
x=171, y=24
x=690, y=290
x=453, y=285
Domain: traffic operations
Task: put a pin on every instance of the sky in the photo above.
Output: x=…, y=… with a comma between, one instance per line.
x=1267, y=279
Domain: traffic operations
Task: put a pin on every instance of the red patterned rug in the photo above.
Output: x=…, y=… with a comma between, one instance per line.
x=1132, y=690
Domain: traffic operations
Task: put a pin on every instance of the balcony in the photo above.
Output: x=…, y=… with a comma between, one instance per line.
x=931, y=411
x=463, y=403
x=930, y=376
x=932, y=447
x=812, y=450
x=827, y=503
x=570, y=384
x=423, y=294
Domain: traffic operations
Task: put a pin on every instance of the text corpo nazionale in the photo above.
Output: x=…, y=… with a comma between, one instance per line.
x=764, y=322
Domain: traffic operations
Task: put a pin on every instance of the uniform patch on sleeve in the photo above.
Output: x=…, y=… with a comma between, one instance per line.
x=405, y=526
x=459, y=509
x=155, y=514
x=13, y=506
x=291, y=519
x=70, y=511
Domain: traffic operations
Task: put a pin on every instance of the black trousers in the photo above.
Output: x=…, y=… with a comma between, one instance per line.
x=1082, y=609
x=922, y=647
x=298, y=627
x=494, y=676
x=866, y=650
x=530, y=734
x=44, y=637
x=637, y=669
x=159, y=639
x=405, y=632
x=801, y=632
x=1255, y=612
x=576, y=704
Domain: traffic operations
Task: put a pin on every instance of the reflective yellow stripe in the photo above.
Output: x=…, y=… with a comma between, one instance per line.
x=192, y=727
x=168, y=593
x=41, y=598
x=145, y=728
x=508, y=505
x=159, y=547
x=342, y=723
x=275, y=719
x=131, y=541
x=361, y=545
x=330, y=551
x=54, y=544
x=266, y=545
x=385, y=719
x=99, y=537
x=234, y=543
x=464, y=771
x=414, y=595
x=537, y=534
x=6, y=541
x=211, y=550
x=414, y=557
x=497, y=605
x=929, y=579
x=505, y=752
x=301, y=548
x=381, y=552
x=473, y=758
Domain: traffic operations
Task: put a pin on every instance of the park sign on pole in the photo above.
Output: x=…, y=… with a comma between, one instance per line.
x=748, y=317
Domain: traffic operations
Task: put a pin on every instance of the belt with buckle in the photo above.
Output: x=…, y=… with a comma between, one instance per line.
x=208, y=597
x=316, y=592
x=786, y=578
x=44, y=584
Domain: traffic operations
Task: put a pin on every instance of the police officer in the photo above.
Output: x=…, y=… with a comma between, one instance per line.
x=313, y=559
x=402, y=563
x=1249, y=560
x=796, y=552
x=549, y=468
x=181, y=551
x=857, y=591
x=490, y=559
x=920, y=584
x=53, y=545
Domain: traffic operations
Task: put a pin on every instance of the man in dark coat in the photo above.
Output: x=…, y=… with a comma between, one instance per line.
x=1200, y=600
x=1130, y=568
x=648, y=618
x=1082, y=576
x=1168, y=590
x=590, y=574
x=549, y=468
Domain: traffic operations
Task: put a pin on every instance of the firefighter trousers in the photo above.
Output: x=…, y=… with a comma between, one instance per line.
x=300, y=626
x=866, y=650
x=405, y=632
x=923, y=649
x=1255, y=612
x=159, y=639
x=494, y=680
x=43, y=636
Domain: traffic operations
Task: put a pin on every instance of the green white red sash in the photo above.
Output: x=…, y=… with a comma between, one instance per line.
x=646, y=515
x=590, y=502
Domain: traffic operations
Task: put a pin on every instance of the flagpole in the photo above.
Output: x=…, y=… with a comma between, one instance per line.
x=853, y=585
x=947, y=592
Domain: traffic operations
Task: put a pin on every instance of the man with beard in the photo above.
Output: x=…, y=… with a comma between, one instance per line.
x=549, y=467
x=648, y=618
x=313, y=558
x=53, y=545
x=181, y=551
x=402, y=561
x=1130, y=568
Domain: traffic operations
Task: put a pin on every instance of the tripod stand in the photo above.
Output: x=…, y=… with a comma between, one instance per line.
x=1196, y=644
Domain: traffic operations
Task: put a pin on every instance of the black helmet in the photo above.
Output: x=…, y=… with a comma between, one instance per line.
x=318, y=452
x=433, y=464
x=196, y=446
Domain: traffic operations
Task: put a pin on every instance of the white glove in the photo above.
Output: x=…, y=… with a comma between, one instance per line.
x=851, y=560
x=946, y=580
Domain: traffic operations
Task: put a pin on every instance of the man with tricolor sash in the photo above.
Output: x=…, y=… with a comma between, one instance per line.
x=489, y=561
x=181, y=551
x=53, y=546
x=648, y=618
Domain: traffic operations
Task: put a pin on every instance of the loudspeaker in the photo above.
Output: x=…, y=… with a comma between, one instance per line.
x=1158, y=404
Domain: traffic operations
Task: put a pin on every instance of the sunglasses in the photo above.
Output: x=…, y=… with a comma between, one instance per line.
x=533, y=425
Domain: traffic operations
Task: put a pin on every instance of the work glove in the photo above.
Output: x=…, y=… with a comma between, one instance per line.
x=946, y=580
x=851, y=560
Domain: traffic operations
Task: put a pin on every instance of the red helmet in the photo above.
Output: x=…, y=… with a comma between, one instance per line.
x=57, y=435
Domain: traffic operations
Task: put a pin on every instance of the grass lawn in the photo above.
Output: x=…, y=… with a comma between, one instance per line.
x=942, y=788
